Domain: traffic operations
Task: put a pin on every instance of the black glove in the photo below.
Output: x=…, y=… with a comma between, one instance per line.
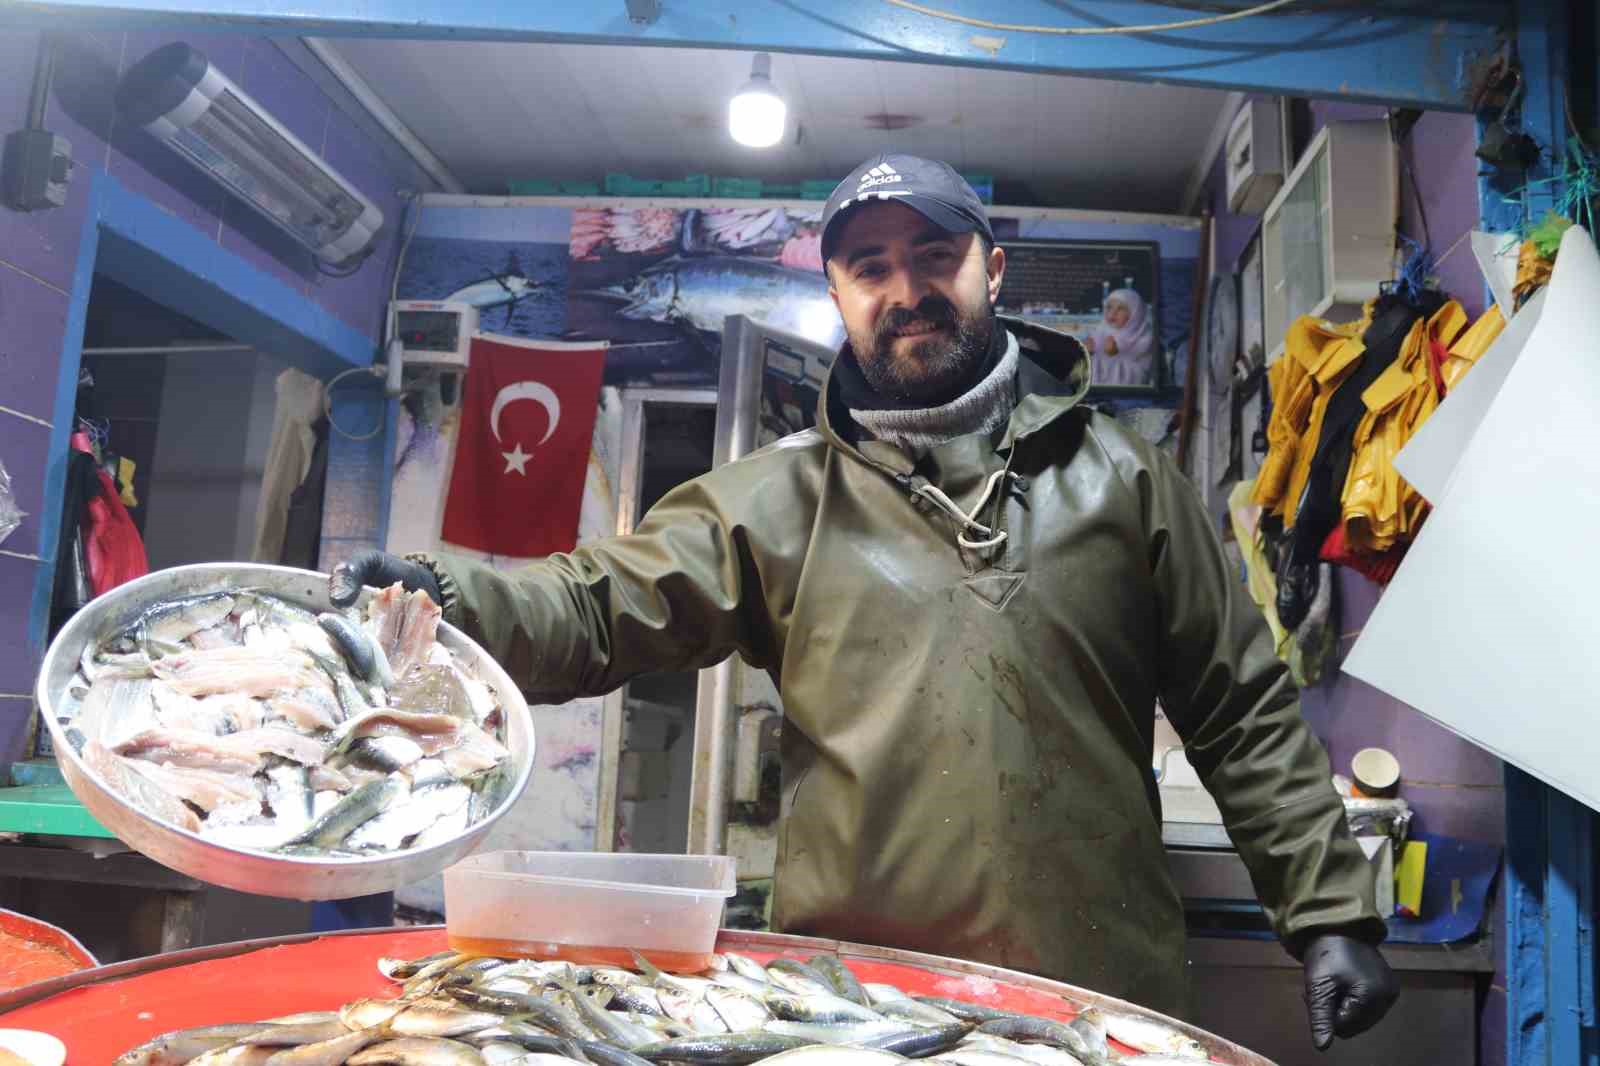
x=379, y=570
x=1349, y=987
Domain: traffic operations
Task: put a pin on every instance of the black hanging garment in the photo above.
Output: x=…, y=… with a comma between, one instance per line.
x=1318, y=512
x=302, y=534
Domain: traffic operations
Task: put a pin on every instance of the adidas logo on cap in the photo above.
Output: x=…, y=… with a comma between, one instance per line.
x=882, y=174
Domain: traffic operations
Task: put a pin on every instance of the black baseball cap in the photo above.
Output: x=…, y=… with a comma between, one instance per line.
x=930, y=187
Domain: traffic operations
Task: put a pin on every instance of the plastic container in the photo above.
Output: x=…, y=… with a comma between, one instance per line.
x=736, y=188
x=589, y=907
x=626, y=185
x=539, y=187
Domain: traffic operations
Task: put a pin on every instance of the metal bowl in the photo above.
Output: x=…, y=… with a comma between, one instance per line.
x=290, y=877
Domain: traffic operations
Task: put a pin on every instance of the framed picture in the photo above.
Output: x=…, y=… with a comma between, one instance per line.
x=1105, y=293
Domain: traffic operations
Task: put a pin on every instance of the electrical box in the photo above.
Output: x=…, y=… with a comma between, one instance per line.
x=1255, y=157
x=1328, y=237
x=435, y=333
x=35, y=170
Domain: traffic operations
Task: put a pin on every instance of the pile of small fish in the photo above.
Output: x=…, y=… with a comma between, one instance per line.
x=464, y=1010
x=263, y=726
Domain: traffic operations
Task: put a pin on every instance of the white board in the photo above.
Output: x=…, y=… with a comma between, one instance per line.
x=1488, y=628
x=1430, y=456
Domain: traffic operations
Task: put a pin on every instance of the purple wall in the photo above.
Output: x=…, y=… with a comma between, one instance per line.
x=1455, y=787
x=39, y=252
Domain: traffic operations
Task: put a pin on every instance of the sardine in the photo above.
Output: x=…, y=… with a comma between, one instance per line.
x=400, y=969
x=824, y=1055
x=177, y=620
x=418, y=1051
x=360, y=651
x=798, y=977
x=185, y=1045
x=354, y=810
x=1029, y=1030
x=976, y=1013
x=1042, y=1054
x=820, y=1008
x=839, y=976
x=1145, y=1034
x=732, y=1049
x=289, y=792
x=908, y=1009
x=385, y=754
x=740, y=1011
x=331, y=1052
x=746, y=967
x=540, y=1042
x=439, y=1017
x=918, y=1043
x=408, y=818
x=553, y=1016
x=237, y=1055
x=297, y=1033
x=370, y=1013
x=608, y=1025
x=852, y=1033
x=740, y=983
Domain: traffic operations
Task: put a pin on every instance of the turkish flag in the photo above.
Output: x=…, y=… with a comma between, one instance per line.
x=522, y=452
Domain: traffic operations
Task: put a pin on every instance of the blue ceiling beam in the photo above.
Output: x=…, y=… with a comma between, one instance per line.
x=1419, y=54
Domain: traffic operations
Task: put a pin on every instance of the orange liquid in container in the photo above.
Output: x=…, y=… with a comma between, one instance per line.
x=583, y=954
x=22, y=962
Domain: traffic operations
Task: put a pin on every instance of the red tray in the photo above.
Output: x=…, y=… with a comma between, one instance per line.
x=101, y=1013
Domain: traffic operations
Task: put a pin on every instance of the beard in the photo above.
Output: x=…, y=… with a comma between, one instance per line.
x=935, y=369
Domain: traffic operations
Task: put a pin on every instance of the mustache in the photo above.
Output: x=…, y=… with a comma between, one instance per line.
x=933, y=309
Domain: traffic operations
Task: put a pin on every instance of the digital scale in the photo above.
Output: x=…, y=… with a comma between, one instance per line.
x=435, y=333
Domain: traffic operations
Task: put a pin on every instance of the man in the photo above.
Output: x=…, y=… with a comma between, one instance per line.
x=970, y=590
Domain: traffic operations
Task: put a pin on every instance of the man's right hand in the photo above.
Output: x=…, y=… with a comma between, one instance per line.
x=379, y=570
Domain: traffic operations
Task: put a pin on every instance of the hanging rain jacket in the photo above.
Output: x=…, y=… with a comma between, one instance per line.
x=967, y=745
x=1318, y=355
x=1380, y=508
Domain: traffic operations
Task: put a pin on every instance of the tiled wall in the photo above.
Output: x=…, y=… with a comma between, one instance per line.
x=39, y=252
x=1455, y=787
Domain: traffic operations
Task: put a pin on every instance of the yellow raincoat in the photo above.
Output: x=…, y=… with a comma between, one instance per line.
x=1318, y=356
x=1379, y=508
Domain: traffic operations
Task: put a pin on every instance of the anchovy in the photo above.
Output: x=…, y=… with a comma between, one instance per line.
x=551, y=1015
x=799, y=977
x=820, y=1008
x=1144, y=1034
x=331, y=1052
x=537, y=1040
x=976, y=1013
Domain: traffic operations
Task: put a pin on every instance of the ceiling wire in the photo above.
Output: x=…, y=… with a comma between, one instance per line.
x=1089, y=31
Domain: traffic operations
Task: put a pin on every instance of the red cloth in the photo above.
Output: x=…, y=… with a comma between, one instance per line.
x=522, y=454
x=112, y=548
x=1380, y=568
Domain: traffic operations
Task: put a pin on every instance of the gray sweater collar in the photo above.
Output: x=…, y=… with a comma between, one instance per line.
x=983, y=408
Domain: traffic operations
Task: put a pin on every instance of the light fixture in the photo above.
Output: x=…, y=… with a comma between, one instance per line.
x=181, y=98
x=757, y=112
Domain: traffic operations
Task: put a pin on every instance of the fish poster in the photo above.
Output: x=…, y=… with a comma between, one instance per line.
x=657, y=283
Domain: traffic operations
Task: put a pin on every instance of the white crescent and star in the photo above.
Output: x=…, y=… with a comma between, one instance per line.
x=516, y=459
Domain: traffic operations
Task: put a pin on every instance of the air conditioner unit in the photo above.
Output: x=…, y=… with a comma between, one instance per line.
x=1328, y=237
x=1255, y=156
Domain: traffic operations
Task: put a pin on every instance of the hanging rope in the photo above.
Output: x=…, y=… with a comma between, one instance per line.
x=1089, y=31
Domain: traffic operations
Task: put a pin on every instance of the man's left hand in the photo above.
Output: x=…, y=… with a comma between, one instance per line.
x=1349, y=987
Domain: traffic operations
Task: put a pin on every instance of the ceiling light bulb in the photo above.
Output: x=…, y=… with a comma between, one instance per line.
x=757, y=113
